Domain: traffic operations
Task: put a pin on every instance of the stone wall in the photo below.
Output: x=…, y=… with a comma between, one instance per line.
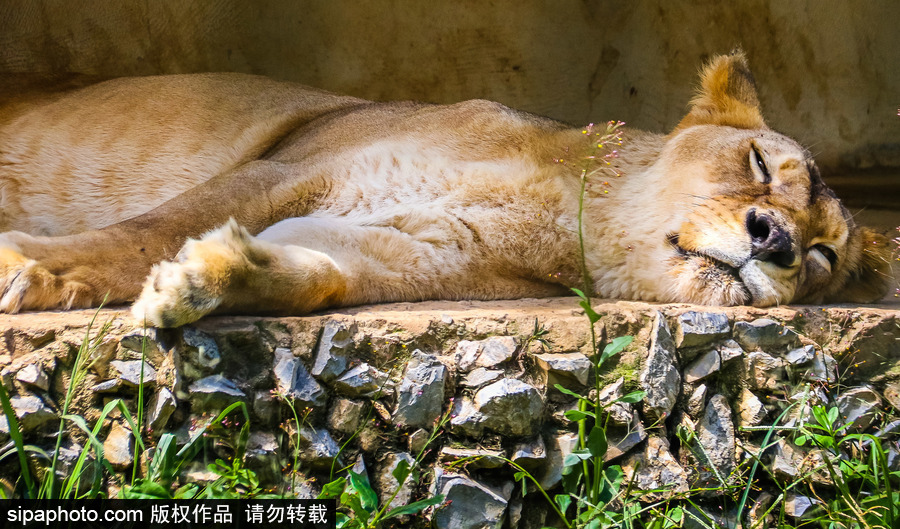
x=385, y=375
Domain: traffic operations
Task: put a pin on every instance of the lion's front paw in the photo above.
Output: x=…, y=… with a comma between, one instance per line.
x=26, y=285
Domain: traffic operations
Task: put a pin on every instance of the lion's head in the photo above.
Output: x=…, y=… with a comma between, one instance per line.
x=748, y=219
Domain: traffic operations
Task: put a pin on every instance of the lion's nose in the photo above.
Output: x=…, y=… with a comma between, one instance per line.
x=769, y=240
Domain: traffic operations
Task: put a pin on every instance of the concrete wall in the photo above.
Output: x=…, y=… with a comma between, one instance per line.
x=828, y=70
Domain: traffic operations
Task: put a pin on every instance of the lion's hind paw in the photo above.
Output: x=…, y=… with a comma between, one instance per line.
x=26, y=285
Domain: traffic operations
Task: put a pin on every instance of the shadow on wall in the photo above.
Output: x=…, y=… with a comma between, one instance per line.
x=827, y=74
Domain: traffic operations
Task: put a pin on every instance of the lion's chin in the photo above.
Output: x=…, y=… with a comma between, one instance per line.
x=705, y=281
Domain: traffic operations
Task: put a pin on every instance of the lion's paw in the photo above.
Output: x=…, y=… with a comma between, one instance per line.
x=182, y=291
x=26, y=285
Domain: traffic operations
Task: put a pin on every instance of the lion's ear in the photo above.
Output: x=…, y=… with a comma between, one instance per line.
x=727, y=95
x=870, y=278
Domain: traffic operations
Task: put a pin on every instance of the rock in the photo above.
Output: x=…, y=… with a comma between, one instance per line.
x=335, y=348
x=729, y=350
x=263, y=457
x=420, y=398
x=363, y=380
x=200, y=352
x=468, y=504
x=477, y=458
x=859, y=406
x=294, y=382
x=480, y=376
x=799, y=507
x=785, y=464
x=345, y=416
x=31, y=413
x=823, y=369
x=563, y=366
x=530, y=454
x=266, y=408
x=620, y=413
x=317, y=448
x=660, y=378
x=214, y=392
x=697, y=401
x=757, y=512
x=118, y=448
x=715, y=433
x=33, y=375
x=418, y=441
x=129, y=372
x=892, y=394
x=704, y=366
x=68, y=457
x=622, y=440
x=751, y=411
x=387, y=484
x=695, y=329
x=161, y=407
x=801, y=355
x=789, y=463
x=656, y=469
x=507, y=407
x=558, y=447
x=765, y=335
x=485, y=353
x=764, y=371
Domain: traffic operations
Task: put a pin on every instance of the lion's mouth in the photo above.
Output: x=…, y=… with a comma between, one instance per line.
x=714, y=281
x=684, y=253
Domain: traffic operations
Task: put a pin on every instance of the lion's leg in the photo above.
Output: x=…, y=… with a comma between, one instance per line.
x=82, y=270
x=230, y=269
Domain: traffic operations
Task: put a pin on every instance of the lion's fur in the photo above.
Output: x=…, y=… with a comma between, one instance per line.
x=337, y=201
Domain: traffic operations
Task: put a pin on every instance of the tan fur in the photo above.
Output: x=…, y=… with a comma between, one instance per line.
x=284, y=199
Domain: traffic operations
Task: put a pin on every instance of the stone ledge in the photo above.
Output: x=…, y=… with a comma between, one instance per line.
x=710, y=369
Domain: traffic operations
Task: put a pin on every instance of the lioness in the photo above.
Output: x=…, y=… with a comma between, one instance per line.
x=316, y=200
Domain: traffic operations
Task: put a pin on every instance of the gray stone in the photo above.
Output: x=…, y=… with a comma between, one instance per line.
x=799, y=507
x=200, y=351
x=387, y=484
x=33, y=375
x=765, y=335
x=481, y=376
x=345, y=416
x=468, y=503
x=656, y=469
x=859, y=406
x=160, y=408
x=704, y=366
x=764, y=371
x=466, y=419
x=751, y=411
x=118, y=448
x=715, y=433
x=476, y=458
x=757, y=512
x=317, y=448
x=801, y=355
x=695, y=329
x=68, y=457
x=565, y=365
x=784, y=462
x=266, y=408
x=418, y=441
x=892, y=394
x=790, y=463
x=729, y=350
x=263, y=457
x=420, y=397
x=620, y=413
x=822, y=369
x=335, y=348
x=294, y=382
x=660, y=378
x=363, y=380
x=31, y=412
x=622, y=440
x=697, y=401
x=490, y=352
x=129, y=372
x=529, y=454
x=214, y=392
x=558, y=447
x=507, y=407
x=108, y=386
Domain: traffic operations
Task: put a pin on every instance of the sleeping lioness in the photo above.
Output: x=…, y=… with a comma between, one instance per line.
x=204, y=193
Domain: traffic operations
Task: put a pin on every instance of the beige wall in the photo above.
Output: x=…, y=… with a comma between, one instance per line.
x=828, y=70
